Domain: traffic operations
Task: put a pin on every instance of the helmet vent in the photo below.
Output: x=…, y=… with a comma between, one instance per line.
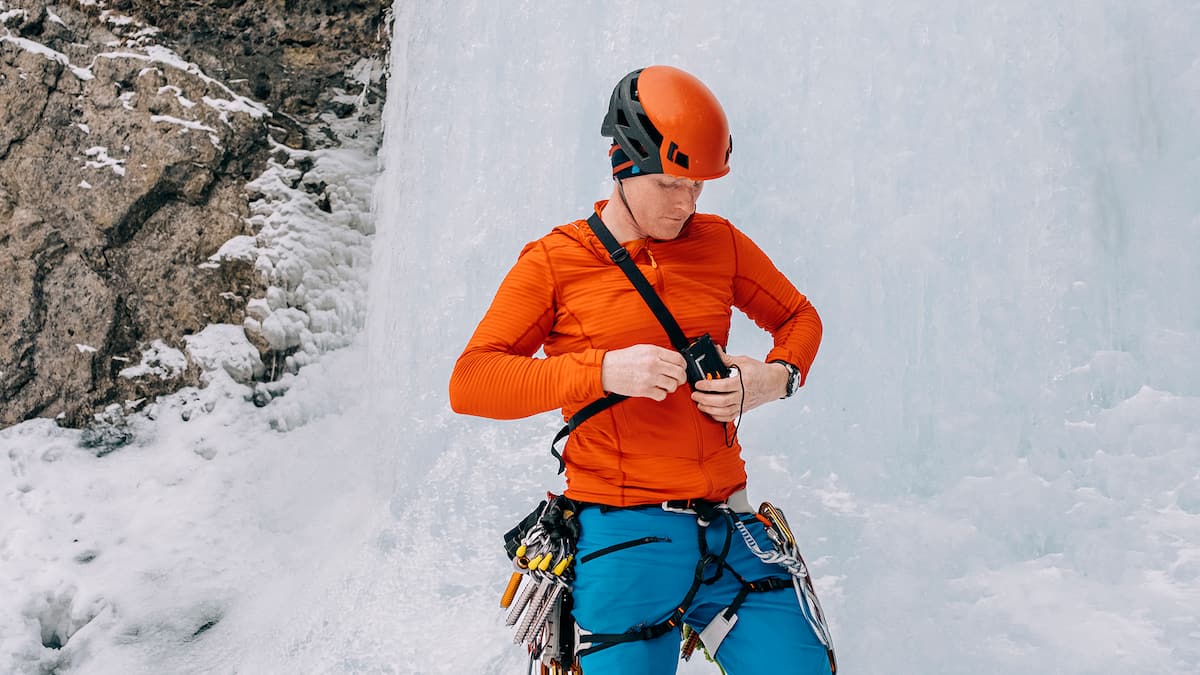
x=655, y=137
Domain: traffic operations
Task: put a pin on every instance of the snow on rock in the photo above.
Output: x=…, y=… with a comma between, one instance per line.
x=189, y=125
x=224, y=348
x=141, y=149
x=39, y=48
x=159, y=361
x=311, y=250
x=234, y=103
x=242, y=247
x=10, y=14
x=183, y=100
x=102, y=160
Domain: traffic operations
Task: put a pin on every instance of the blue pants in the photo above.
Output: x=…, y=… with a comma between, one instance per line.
x=633, y=568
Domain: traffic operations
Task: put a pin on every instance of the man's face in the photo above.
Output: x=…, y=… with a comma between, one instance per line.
x=662, y=204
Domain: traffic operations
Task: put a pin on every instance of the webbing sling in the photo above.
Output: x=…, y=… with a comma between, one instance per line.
x=620, y=256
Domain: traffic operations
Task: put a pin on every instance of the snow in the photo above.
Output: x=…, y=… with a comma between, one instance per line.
x=311, y=249
x=365, y=72
x=189, y=124
x=993, y=467
x=115, y=19
x=224, y=348
x=186, y=124
x=159, y=55
x=39, y=48
x=243, y=247
x=102, y=160
x=158, y=360
x=184, y=101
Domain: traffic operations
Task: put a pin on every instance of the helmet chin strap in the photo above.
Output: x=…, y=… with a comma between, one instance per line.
x=621, y=191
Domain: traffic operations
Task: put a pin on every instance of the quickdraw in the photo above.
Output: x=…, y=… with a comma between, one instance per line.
x=542, y=548
x=786, y=554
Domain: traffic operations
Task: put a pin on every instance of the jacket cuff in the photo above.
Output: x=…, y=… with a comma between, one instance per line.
x=780, y=354
x=590, y=381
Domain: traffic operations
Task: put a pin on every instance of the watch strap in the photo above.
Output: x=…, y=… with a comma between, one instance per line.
x=793, y=381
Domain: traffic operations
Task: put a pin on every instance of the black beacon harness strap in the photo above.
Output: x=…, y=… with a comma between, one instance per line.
x=620, y=256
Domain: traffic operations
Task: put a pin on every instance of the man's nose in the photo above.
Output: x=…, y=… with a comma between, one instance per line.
x=692, y=194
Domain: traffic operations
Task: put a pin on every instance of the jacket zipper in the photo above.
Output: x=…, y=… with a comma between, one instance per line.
x=621, y=546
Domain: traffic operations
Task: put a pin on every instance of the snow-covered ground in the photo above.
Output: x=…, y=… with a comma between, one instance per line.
x=995, y=466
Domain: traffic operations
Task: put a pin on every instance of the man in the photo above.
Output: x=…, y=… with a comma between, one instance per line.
x=659, y=475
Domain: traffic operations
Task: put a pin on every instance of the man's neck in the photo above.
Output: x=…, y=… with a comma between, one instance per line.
x=618, y=219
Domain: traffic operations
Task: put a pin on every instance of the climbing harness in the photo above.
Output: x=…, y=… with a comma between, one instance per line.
x=538, y=597
x=709, y=569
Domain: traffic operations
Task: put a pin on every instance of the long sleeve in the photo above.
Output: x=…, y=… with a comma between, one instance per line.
x=497, y=375
x=772, y=302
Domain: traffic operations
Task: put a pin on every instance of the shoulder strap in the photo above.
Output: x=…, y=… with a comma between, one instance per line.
x=620, y=256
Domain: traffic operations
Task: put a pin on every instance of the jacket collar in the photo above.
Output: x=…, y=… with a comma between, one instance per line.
x=581, y=232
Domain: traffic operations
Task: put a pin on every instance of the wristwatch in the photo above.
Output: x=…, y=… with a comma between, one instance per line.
x=793, y=382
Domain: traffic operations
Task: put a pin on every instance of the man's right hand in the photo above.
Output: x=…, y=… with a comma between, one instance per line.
x=648, y=371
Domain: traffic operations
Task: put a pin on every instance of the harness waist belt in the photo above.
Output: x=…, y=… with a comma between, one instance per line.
x=738, y=502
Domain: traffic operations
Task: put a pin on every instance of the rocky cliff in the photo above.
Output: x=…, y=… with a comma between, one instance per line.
x=131, y=134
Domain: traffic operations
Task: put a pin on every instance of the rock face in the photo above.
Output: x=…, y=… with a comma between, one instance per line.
x=128, y=133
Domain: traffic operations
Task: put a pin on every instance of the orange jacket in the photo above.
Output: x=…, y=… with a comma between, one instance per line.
x=567, y=297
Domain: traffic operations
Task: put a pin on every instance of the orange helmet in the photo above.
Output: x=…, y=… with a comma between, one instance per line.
x=668, y=122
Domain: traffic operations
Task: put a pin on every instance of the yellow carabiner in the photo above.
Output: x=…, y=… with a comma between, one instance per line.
x=562, y=565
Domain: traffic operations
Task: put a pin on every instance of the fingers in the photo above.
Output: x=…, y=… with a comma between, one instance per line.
x=725, y=385
x=723, y=399
x=643, y=370
x=727, y=359
x=721, y=407
x=670, y=381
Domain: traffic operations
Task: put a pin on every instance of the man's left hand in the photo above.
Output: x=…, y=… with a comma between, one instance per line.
x=722, y=399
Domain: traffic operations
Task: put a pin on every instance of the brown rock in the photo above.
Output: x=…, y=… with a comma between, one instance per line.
x=120, y=175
